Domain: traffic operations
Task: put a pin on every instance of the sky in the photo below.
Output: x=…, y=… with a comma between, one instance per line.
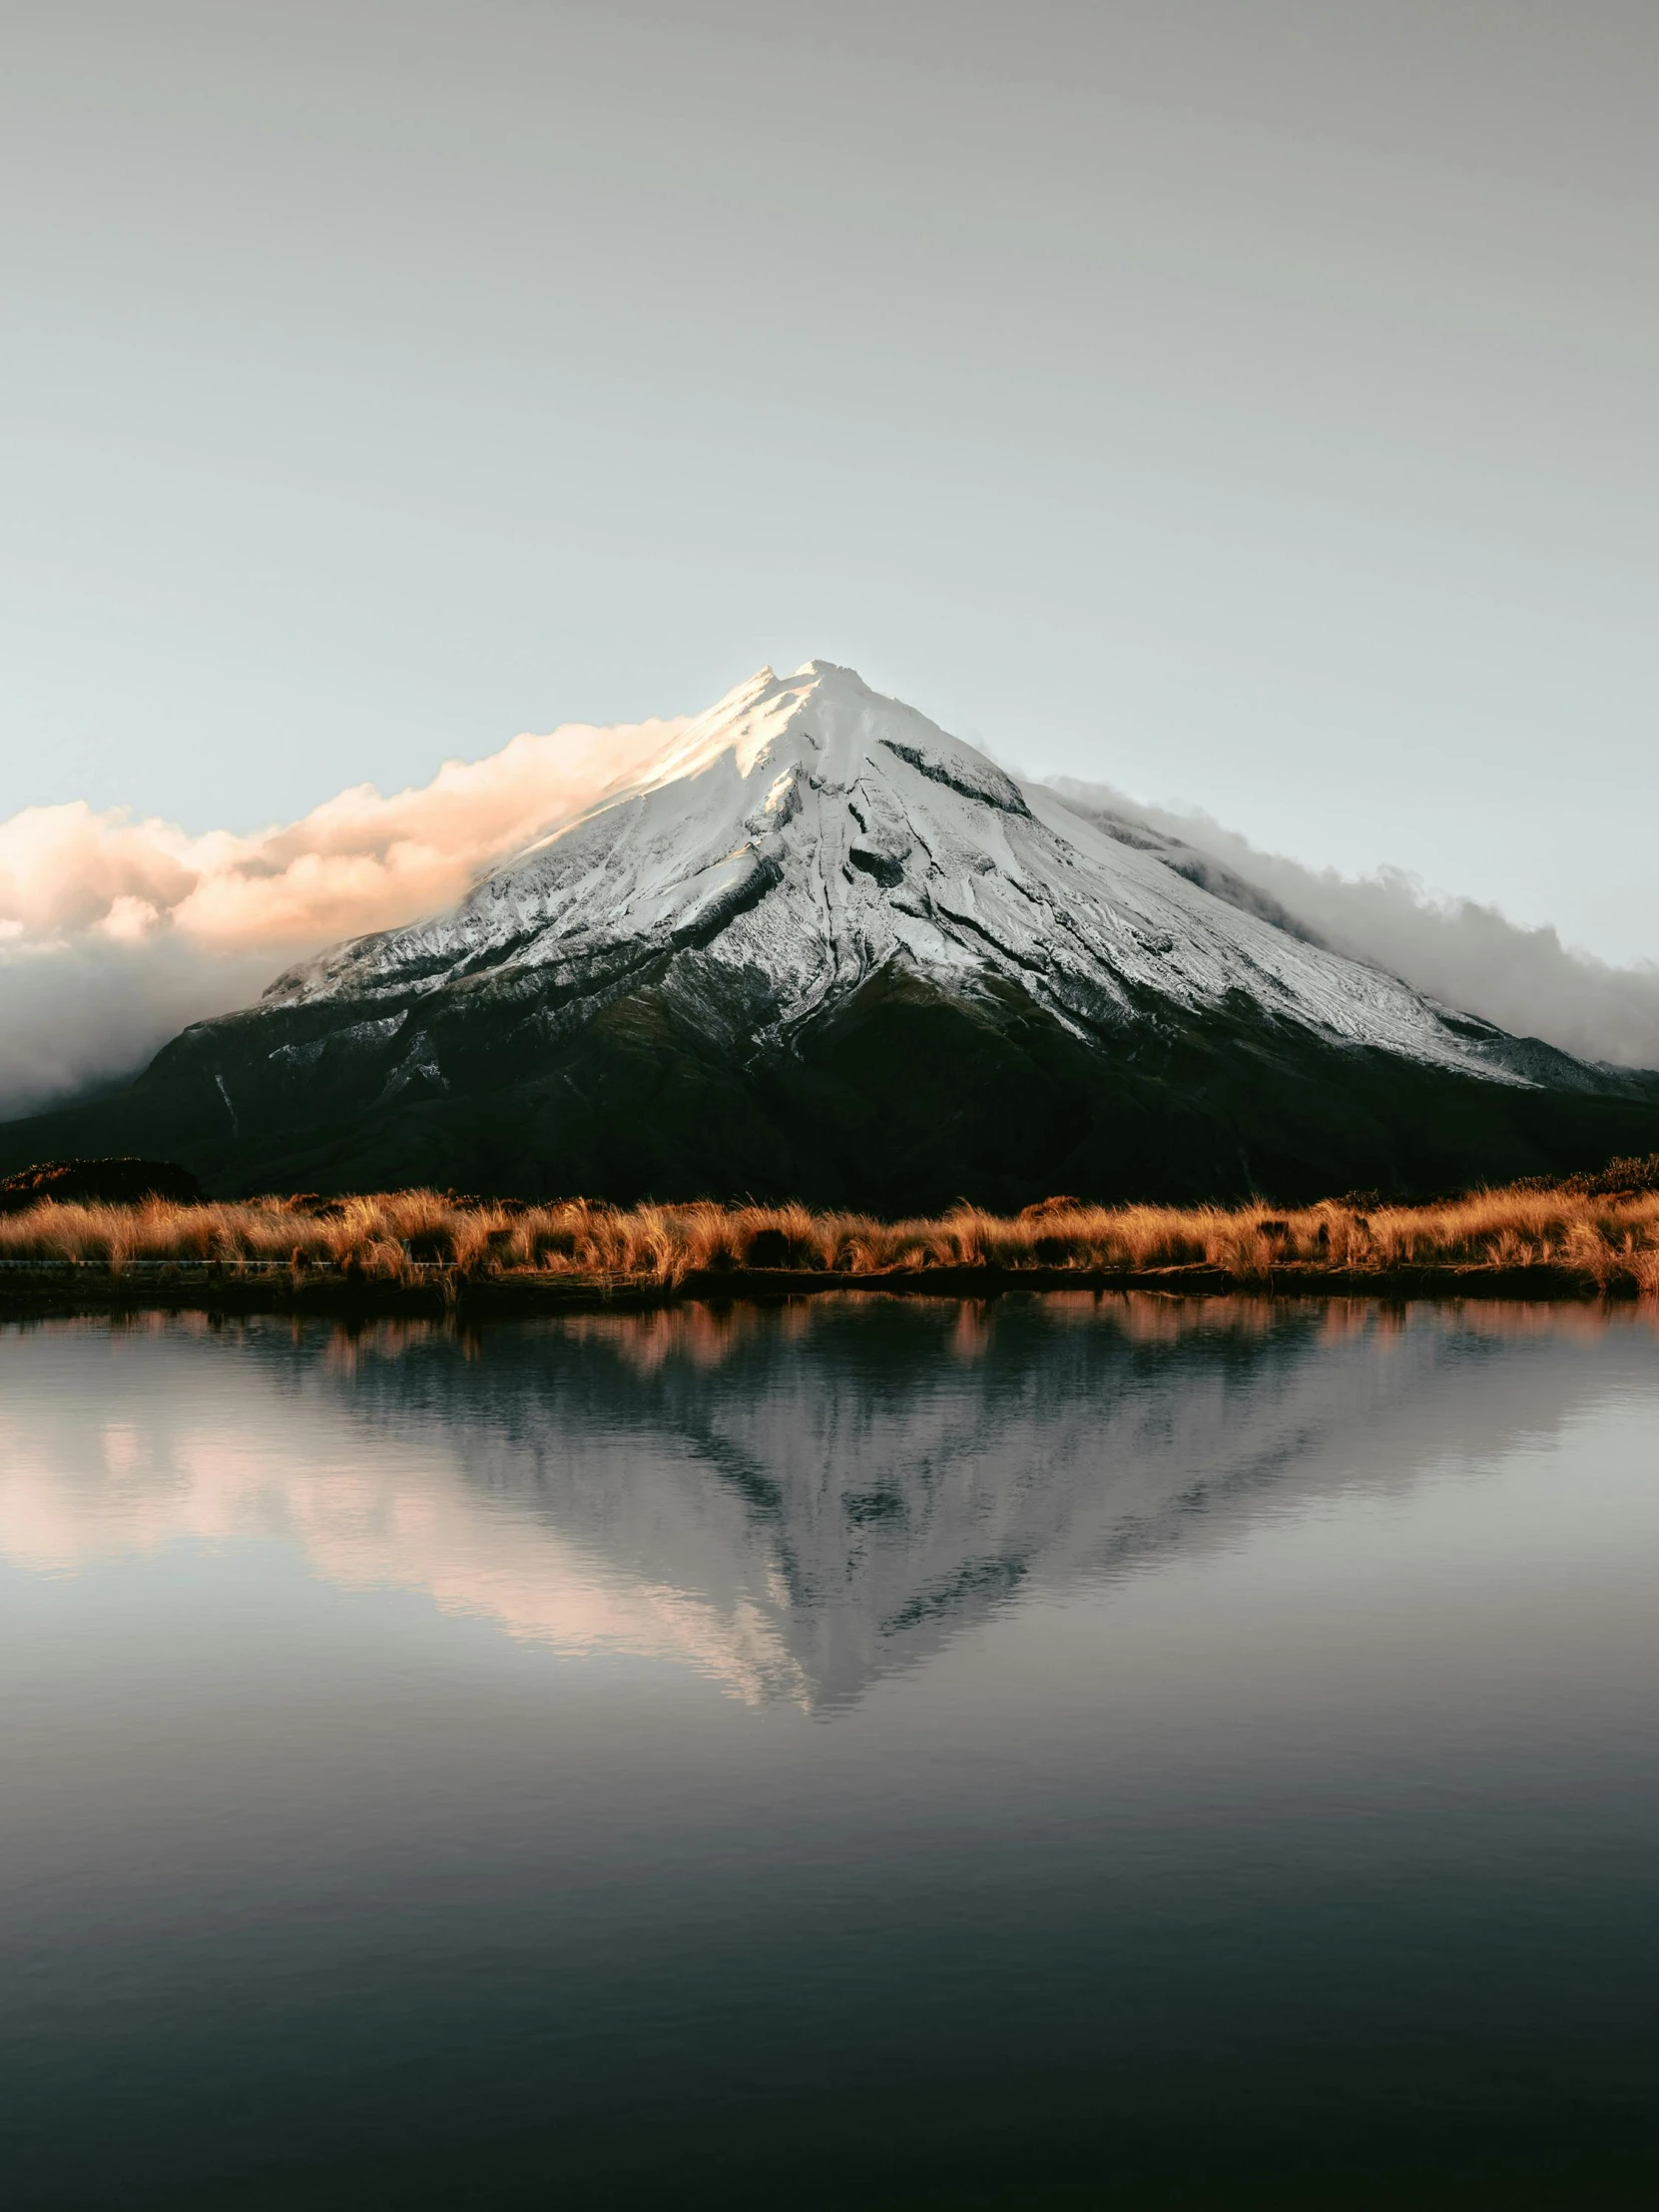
x=1246, y=403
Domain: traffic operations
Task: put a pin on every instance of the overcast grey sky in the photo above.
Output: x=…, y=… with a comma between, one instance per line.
x=1249, y=404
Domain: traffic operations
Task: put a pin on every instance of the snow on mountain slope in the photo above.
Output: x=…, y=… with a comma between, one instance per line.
x=807, y=832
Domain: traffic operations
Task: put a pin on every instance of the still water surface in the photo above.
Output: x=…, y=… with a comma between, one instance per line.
x=1071, y=1751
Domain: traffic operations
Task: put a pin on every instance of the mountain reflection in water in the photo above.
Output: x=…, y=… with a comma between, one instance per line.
x=785, y=1497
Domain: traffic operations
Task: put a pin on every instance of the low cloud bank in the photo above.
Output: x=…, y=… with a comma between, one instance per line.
x=115, y=933
x=1456, y=950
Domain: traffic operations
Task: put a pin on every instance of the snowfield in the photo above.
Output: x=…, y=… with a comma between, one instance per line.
x=806, y=833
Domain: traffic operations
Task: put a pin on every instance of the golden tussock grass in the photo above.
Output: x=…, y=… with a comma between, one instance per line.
x=1610, y=1241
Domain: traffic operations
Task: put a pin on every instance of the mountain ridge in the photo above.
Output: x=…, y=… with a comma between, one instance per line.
x=709, y=864
x=815, y=947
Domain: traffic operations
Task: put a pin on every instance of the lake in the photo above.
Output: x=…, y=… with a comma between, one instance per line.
x=1062, y=1751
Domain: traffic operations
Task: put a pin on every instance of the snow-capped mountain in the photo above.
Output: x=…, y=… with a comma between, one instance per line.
x=806, y=833
x=818, y=947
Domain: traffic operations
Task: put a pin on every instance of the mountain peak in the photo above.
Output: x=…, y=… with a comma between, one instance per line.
x=825, y=721
x=806, y=834
x=818, y=947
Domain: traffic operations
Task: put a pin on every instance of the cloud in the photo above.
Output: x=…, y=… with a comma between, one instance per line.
x=1467, y=954
x=116, y=932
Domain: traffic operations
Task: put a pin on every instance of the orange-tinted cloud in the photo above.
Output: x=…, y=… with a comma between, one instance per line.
x=355, y=864
x=115, y=933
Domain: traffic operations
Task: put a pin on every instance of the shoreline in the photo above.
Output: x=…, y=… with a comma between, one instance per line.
x=68, y=1288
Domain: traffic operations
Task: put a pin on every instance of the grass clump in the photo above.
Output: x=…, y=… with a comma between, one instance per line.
x=1606, y=1237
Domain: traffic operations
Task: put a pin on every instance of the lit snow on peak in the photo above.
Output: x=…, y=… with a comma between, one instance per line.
x=807, y=831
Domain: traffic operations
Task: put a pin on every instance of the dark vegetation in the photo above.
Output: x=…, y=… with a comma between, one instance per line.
x=900, y=1100
x=97, y=1183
